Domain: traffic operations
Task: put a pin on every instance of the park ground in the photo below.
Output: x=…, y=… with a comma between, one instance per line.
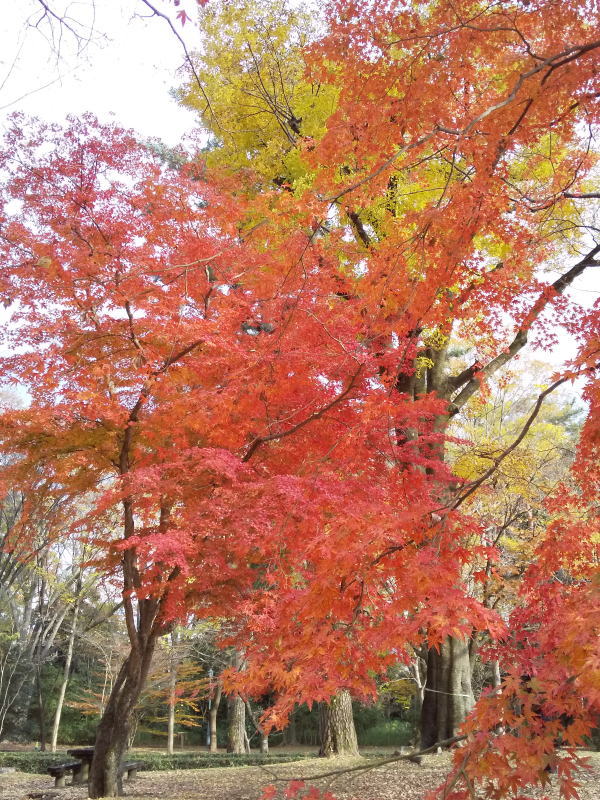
x=398, y=781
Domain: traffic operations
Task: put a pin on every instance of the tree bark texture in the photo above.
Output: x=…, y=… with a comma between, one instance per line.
x=113, y=731
x=173, y=665
x=448, y=691
x=236, y=725
x=336, y=727
x=212, y=714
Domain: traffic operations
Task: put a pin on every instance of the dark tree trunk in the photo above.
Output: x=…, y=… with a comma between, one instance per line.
x=144, y=625
x=236, y=725
x=448, y=691
x=112, y=736
x=336, y=727
x=290, y=736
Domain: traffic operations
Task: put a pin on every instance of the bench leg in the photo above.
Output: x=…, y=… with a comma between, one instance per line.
x=59, y=781
x=131, y=774
x=80, y=774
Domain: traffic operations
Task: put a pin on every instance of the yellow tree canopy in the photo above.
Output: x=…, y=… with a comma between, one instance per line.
x=256, y=99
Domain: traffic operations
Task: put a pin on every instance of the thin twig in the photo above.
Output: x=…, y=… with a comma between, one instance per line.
x=188, y=57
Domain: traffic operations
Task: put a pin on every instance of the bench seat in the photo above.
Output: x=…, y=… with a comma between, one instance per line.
x=131, y=768
x=59, y=771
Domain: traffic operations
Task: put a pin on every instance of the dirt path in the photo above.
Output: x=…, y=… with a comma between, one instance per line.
x=399, y=781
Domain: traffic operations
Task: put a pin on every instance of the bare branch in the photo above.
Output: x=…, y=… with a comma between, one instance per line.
x=379, y=762
x=81, y=32
x=188, y=58
x=524, y=431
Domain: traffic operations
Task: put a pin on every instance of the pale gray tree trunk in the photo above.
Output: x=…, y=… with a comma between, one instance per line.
x=212, y=714
x=173, y=665
x=65, y=679
x=263, y=737
x=496, y=677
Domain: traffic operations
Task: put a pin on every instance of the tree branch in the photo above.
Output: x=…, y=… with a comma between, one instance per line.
x=188, y=58
x=467, y=378
x=380, y=762
x=272, y=437
x=524, y=431
x=551, y=63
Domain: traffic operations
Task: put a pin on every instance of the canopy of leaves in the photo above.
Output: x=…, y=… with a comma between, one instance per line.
x=261, y=378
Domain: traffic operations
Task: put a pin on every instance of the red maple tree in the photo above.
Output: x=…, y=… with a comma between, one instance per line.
x=260, y=381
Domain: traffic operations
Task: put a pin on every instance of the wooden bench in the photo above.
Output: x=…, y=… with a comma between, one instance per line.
x=59, y=772
x=131, y=768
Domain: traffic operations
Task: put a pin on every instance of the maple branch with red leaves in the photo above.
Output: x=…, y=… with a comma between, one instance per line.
x=551, y=63
x=273, y=437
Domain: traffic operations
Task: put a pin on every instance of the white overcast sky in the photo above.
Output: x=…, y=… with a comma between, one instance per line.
x=126, y=70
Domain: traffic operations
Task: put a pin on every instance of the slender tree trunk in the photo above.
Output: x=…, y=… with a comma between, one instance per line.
x=144, y=626
x=336, y=727
x=236, y=725
x=16, y=679
x=171, y=723
x=496, y=676
x=173, y=664
x=448, y=691
x=41, y=709
x=65, y=679
x=113, y=731
x=212, y=714
x=264, y=737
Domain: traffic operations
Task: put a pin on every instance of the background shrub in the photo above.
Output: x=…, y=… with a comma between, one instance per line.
x=391, y=733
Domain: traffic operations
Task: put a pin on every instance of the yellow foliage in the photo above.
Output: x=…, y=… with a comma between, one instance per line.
x=261, y=106
x=401, y=690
